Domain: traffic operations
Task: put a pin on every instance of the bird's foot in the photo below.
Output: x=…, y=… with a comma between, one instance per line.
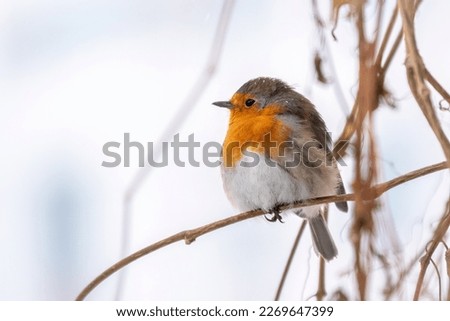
x=276, y=216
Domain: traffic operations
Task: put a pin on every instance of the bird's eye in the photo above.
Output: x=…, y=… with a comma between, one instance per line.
x=249, y=102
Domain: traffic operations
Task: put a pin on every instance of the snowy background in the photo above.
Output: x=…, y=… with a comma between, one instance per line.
x=77, y=74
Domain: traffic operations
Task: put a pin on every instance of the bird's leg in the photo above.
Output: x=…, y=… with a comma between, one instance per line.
x=276, y=215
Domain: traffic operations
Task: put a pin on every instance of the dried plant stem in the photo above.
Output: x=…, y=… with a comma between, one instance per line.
x=416, y=73
x=365, y=176
x=190, y=235
x=439, y=279
x=386, y=36
x=394, y=47
x=436, y=85
x=342, y=143
x=349, y=129
x=289, y=261
x=438, y=235
x=321, y=290
x=391, y=54
x=447, y=262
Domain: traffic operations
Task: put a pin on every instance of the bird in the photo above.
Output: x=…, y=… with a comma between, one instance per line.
x=277, y=150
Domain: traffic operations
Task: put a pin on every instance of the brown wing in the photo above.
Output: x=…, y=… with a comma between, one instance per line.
x=307, y=114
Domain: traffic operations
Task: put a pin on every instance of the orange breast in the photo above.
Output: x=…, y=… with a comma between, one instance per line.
x=250, y=129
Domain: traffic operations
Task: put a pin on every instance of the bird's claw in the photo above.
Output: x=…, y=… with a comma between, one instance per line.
x=276, y=216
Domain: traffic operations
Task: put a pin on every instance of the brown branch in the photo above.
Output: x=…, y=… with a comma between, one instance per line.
x=289, y=261
x=338, y=92
x=341, y=144
x=394, y=47
x=439, y=279
x=436, y=85
x=386, y=36
x=416, y=71
x=190, y=235
x=392, y=53
x=321, y=291
x=438, y=235
x=447, y=262
x=364, y=176
x=380, y=8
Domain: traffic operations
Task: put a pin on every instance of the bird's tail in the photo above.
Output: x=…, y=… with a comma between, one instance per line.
x=322, y=239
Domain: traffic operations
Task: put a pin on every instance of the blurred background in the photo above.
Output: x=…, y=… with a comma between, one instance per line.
x=77, y=74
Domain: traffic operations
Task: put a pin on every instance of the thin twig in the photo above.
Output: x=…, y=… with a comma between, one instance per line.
x=364, y=176
x=377, y=32
x=415, y=69
x=321, y=290
x=436, y=85
x=383, y=68
x=395, y=46
x=289, y=261
x=190, y=235
x=341, y=144
x=386, y=36
x=447, y=263
x=438, y=235
x=391, y=53
x=439, y=279
x=176, y=122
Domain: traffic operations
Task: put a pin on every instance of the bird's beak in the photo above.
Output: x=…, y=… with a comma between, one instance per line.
x=225, y=104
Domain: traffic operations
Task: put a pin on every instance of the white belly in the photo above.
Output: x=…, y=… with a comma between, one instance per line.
x=262, y=186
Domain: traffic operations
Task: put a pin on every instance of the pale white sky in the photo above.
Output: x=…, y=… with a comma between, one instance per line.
x=77, y=74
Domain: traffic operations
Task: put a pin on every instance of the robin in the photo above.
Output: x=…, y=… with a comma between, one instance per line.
x=277, y=151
